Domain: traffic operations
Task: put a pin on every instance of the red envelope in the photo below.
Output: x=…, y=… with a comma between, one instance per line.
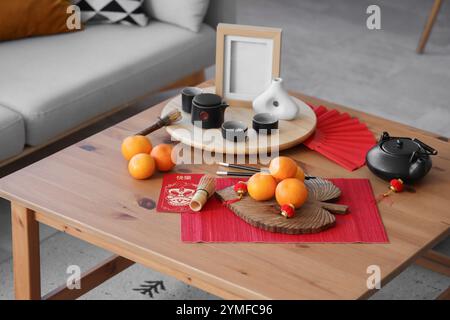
x=177, y=191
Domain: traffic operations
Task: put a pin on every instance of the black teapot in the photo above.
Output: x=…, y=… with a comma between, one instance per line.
x=208, y=110
x=400, y=158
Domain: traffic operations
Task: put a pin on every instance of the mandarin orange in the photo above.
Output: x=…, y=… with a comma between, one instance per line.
x=300, y=175
x=261, y=186
x=162, y=154
x=291, y=191
x=141, y=166
x=135, y=144
x=283, y=168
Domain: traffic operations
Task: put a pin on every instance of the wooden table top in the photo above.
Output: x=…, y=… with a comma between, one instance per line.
x=87, y=189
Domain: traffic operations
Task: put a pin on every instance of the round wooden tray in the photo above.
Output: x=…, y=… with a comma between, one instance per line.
x=290, y=133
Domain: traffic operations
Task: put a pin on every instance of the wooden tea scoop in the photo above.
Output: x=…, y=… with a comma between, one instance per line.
x=172, y=117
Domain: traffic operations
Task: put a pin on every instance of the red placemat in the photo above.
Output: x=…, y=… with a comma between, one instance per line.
x=341, y=138
x=216, y=223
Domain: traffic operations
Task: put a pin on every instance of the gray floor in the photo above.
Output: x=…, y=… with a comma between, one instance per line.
x=327, y=52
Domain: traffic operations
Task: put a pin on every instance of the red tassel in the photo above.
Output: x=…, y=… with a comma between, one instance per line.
x=287, y=210
x=228, y=202
x=395, y=186
x=240, y=188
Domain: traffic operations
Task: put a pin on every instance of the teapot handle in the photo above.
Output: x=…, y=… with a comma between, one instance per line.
x=429, y=150
x=384, y=136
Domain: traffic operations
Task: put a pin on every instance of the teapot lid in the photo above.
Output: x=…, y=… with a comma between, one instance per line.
x=207, y=99
x=400, y=146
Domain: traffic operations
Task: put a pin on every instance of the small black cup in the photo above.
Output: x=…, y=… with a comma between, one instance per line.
x=187, y=94
x=235, y=131
x=265, y=123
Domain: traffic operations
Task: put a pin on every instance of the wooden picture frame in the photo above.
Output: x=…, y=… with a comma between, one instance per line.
x=240, y=80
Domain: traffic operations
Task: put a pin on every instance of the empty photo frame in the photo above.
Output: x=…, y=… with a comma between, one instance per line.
x=247, y=59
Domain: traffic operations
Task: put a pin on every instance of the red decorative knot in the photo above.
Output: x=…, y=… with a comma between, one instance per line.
x=287, y=210
x=240, y=188
x=396, y=185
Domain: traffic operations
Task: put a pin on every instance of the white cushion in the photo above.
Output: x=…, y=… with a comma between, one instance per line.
x=12, y=133
x=58, y=82
x=188, y=14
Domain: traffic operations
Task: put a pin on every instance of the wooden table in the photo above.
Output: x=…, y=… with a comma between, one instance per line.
x=85, y=191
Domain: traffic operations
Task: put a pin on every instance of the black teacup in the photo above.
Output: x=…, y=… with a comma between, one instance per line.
x=265, y=123
x=187, y=94
x=235, y=131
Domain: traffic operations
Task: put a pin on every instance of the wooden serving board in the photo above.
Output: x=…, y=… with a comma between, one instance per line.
x=312, y=217
x=290, y=133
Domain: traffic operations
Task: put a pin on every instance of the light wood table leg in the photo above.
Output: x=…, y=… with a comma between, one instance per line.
x=26, y=257
x=429, y=26
x=436, y=262
x=444, y=295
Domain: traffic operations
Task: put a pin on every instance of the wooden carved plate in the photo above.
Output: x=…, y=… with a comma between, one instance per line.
x=314, y=216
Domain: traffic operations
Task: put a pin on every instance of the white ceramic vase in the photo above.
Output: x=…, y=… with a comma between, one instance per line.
x=276, y=100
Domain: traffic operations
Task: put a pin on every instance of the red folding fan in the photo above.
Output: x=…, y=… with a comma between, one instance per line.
x=341, y=138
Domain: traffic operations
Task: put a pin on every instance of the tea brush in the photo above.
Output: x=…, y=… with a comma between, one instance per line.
x=170, y=118
x=205, y=189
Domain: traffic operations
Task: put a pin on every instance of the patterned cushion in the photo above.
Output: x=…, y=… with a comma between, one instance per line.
x=112, y=11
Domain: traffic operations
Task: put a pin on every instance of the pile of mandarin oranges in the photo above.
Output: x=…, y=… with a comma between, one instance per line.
x=284, y=181
x=143, y=159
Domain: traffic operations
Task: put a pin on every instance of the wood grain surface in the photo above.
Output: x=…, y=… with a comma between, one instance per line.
x=85, y=190
x=312, y=217
x=290, y=133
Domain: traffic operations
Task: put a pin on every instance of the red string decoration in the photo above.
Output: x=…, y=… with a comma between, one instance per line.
x=395, y=186
x=287, y=210
x=241, y=189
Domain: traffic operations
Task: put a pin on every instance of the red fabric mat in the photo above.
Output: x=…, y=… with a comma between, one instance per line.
x=216, y=223
x=340, y=138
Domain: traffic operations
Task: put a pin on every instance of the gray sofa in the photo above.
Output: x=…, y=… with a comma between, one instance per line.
x=49, y=85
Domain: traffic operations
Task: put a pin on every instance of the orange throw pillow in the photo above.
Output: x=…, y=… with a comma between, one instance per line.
x=26, y=18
